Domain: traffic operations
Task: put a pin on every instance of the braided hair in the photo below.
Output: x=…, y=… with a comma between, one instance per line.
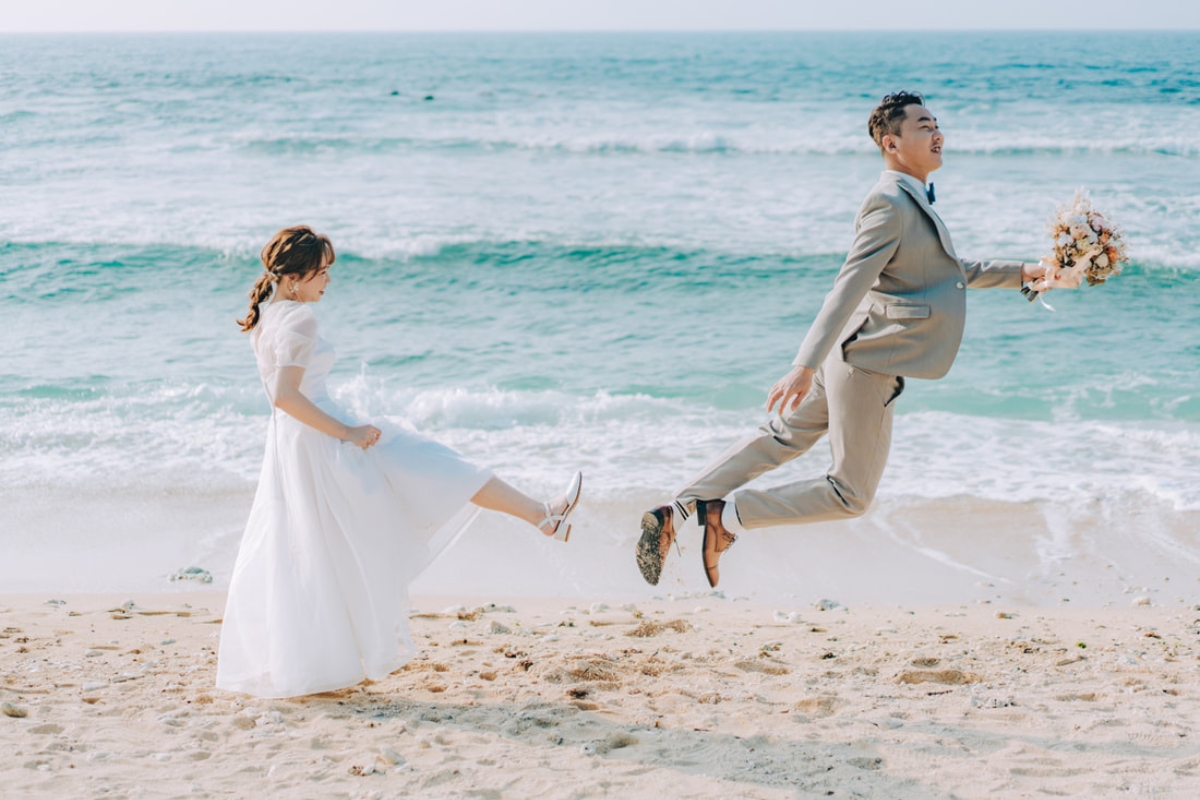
x=298, y=251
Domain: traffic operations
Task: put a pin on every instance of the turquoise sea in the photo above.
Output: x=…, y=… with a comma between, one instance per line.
x=593, y=251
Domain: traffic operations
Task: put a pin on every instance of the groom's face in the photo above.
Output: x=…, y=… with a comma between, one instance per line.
x=919, y=143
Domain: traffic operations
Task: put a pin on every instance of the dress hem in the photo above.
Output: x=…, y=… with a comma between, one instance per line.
x=373, y=674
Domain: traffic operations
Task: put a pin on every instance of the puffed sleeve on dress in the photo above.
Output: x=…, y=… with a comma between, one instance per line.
x=296, y=337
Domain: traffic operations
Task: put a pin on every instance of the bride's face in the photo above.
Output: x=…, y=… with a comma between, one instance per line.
x=310, y=289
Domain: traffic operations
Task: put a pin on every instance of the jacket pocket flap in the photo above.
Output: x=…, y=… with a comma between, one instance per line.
x=907, y=311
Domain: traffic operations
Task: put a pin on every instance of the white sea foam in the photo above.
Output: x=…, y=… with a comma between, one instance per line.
x=787, y=134
x=184, y=437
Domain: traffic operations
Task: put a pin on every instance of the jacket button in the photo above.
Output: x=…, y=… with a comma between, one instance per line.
x=959, y=285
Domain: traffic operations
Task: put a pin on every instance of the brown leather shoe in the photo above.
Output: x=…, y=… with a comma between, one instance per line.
x=658, y=532
x=716, y=538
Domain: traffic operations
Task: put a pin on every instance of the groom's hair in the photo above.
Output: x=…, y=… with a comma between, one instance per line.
x=888, y=115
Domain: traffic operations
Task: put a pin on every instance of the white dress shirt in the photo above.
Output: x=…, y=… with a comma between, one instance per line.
x=912, y=181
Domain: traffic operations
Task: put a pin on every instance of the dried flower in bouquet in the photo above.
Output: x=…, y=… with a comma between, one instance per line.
x=1087, y=246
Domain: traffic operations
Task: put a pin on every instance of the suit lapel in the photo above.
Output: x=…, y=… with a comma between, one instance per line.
x=923, y=202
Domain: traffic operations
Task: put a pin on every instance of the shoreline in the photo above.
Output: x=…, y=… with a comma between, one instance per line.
x=697, y=696
x=953, y=550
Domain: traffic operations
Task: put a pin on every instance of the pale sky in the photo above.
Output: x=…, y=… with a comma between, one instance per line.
x=593, y=15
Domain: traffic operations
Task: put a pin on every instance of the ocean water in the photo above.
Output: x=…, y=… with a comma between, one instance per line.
x=596, y=252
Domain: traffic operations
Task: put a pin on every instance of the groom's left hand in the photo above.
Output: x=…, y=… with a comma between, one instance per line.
x=1032, y=272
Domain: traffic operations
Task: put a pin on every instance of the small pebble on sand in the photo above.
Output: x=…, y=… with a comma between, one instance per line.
x=498, y=608
x=192, y=574
x=9, y=710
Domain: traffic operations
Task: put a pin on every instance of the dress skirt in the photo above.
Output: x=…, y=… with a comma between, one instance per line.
x=319, y=594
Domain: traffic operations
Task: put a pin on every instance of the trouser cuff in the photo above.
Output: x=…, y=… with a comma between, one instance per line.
x=682, y=509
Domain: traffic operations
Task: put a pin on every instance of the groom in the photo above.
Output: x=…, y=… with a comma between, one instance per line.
x=896, y=310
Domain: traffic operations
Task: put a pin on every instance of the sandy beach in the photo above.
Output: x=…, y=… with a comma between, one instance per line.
x=693, y=695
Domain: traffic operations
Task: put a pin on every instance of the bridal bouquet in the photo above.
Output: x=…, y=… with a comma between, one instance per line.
x=1087, y=246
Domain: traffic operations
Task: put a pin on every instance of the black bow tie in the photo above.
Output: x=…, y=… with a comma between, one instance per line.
x=930, y=195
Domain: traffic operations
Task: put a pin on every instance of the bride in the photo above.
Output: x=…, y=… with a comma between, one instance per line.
x=345, y=515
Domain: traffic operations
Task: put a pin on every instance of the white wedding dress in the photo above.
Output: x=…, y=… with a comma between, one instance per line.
x=319, y=594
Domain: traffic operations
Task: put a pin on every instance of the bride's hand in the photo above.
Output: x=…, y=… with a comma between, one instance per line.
x=363, y=435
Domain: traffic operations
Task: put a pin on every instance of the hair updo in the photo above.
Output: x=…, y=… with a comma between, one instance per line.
x=298, y=251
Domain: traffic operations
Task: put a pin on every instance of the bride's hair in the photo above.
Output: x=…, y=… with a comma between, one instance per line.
x=298, y=251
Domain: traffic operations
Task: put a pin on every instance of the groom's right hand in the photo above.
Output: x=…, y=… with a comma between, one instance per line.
x=789, y=390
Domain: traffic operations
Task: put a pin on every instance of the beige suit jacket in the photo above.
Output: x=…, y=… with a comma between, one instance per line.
x=898, y=304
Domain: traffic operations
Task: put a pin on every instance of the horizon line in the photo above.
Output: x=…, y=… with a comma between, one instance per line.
x=502, y=31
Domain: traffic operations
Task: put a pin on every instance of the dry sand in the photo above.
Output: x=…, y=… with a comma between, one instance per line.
x=692, y=696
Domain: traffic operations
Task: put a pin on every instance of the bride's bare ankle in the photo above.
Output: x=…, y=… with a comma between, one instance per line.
x=544, y=520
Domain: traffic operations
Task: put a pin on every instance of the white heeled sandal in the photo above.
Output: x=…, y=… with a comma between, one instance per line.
x=562, y=531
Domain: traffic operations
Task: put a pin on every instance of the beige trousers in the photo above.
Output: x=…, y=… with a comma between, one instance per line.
x=852, y=405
